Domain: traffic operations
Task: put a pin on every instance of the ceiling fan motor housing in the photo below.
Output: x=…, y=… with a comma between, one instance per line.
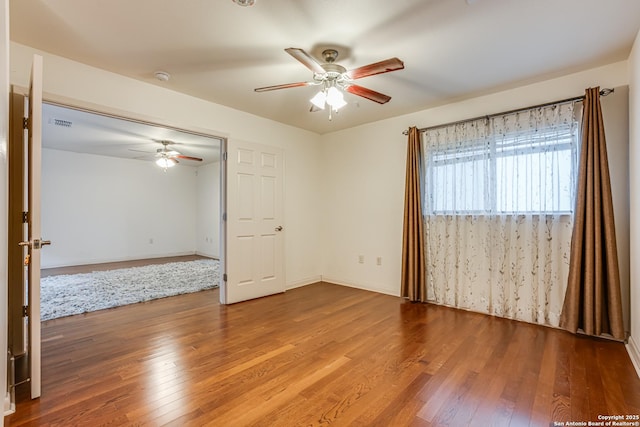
x=330, y=55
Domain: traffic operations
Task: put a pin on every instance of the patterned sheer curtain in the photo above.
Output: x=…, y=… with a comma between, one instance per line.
x=498, y=223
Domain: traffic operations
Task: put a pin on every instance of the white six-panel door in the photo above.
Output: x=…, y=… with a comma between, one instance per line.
x=255, y=227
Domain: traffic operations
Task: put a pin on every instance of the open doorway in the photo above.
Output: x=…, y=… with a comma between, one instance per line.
x=138, y=199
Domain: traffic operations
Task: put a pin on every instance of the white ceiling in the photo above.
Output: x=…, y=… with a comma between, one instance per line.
x=91, y=133
x=219, y=51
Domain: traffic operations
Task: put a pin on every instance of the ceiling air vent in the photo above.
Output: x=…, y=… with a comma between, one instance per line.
x=60, y=122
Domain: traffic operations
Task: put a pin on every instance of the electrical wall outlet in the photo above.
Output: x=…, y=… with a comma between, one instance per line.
x=361, y=259
x=379, y=260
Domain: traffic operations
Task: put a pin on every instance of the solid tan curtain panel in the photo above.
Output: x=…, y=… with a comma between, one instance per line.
x=592, y=302
x=413, y=282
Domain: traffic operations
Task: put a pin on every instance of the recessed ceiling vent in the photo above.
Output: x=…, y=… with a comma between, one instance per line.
x=60, y=122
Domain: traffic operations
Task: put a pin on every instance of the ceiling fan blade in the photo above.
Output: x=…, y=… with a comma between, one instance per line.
x=385, y=66
x=284, y=86
x=306, y=59
x=141, y=151
x=374, y=96
x=180, y=156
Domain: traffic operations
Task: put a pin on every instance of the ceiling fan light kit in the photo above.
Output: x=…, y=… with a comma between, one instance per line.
x=332, y=97
x=166, y=162
x=335, y=79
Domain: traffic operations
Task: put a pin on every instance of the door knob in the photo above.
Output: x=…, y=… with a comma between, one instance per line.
x=279, y=228
x=35, y=244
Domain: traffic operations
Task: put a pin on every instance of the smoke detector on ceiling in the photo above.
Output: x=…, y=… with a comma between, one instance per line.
x=245, y=2
x=163, y=76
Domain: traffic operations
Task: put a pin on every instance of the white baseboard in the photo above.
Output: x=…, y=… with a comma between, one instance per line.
x=358, y=286
x=208, y=255
x=634, y=354
x=9, y=406
x=303, y=282
x=119, y=259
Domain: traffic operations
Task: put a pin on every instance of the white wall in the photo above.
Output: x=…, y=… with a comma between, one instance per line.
x=615, y=112
x=103, y=209
x=114, y=93
x=634, y=198
x=4, y=136
x=364, y=176
x=208, y=210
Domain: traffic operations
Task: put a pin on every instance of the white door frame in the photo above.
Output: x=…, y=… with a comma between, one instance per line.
x=151, y=121
x=223, y=223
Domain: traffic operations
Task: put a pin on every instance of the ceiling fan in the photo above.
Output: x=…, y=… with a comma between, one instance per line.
x=168, y=157
x=331, y=75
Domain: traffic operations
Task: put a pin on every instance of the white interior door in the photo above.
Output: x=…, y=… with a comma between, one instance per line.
x=255, y=228
x=34, y=242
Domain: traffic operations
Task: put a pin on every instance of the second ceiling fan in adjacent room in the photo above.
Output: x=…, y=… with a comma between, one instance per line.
x=168, y=157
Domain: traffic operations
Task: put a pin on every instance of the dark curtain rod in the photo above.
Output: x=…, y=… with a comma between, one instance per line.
x=603, y=92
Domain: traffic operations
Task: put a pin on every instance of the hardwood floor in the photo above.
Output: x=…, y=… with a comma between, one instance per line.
x=88, y=268
x=319, y=355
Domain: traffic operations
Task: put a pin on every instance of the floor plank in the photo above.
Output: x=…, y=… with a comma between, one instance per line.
x=318, y=355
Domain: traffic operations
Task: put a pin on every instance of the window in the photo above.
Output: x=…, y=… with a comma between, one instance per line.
x=519, y=163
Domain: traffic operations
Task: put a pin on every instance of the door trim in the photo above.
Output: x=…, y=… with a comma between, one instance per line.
x=149, y=121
